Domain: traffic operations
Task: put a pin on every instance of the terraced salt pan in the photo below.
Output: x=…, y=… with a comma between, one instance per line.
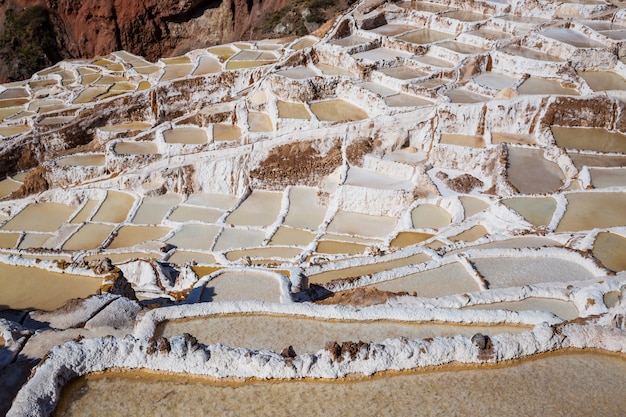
x=291, y=236
x=34, y=240
x=223, y=51
x=89, y=236
x=580, y=160
x=121, y=257
x=529, y=53
x=218, y=201
x=267, y=253
x=424, y=6
x=430, y=216
x=186, y=135
x=515, y=138
x=305, y=210
x=542, y=86
x=136, y=148
x=260, y=122
x=473, y=233
x=563, y=309
x=194, y=236
x=310, y=335
x=128, y=236
x=506, y=272
x=586, y=211
x=207, y=65
x=604, y=80
x=29, y=287
x=392, y=29
x=82, y=160
x=446, y=280
x=608, y=177
x=466, y=16
x=593, y=139
x=333, y=71
x=226, y=132
x=571, y=37
x=85, y=213
x=287, y=110
x=7, y=131
x=352, y=223
x=334, y=247
x=403, y=72
x=176, y=71
x=115, y=207
x=239, y=238
x=472, y=205
x=537, y=210
x=184, y=214
x=40, y=217
x=463, y=96
x=356, y=271
x=153, y=209
x=235, y=286
x=337, y=111
x=404, y=239
x=7, y=186
x=461, y=140
x=182, y=257
x=495, y=80
x=531, y=173
x=9, y=240
x=425, y=36
x=610, y=248
x=261, y=208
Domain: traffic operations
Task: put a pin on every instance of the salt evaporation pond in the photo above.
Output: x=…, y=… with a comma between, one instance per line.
x=241, y=285
x=40, y=217
x=563, y=309
x=310, y=335
x=569, y=384
x=136, y=148
x=337, y=111
x=610, y=248
x=531, y=173
x=153, y=209
x=537, y=210
x=586, y=211
x=89, y=236
x=82, y=160
x=592, y=139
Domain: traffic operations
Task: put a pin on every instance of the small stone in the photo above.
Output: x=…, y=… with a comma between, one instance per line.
x=480, y=340
x=163, y=345
x=288, y=352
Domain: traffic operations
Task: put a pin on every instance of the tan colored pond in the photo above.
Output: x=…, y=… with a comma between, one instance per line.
x=581, y=159
x=182, y=257
x=207, y=65
x=337, y=111
x=403, y=72
x=190, y=213
x=118, y=258
x=531, y=173
x=357, y=271
x=495, y=80
x=223, y=131
x=537, y=210
x=473, y=205
x=28, y=287
x=611, y=298
x=404, y=239
x=239, y=238
x=153, y=209
x=311, y=335
x=446, y=280
x=352, y=223
x=542, y=86
x=332, y=70
x=430, y=216
x=290, y=236
x=34, y=240
x=507, y=272
x=220, y=201
x=608, y=177
x=186, y=135
x=527, y=388
x=563, y=309
x=610, y=248
x=40, y=217
x=260, y=122
x=273, y=252
x=392, y=29
x=334, y=247
x=586, y=211
x=463, y=140
x=593, y=139
x=175, y=71
x=89, y=236
x=287, y=110
x=136, y=148
x=530, y=53
x=235, y=286
x=406, y=100
x=7, y=131
x=516, y=138
x=89, y=94
x=604, y=80
x=115, y=207
x=222, y=51
x=471, y=234
x=571, y=37
x=9, y=240
x=304, y=43
x=305, y=209
x=261, y=208
x=425, y=36
x=8, y=185
x=462, y=48
x=195, y=236
x=85, y=213
x=463, y=96
x=128, y=236
x=82, y=160
x=466, y=16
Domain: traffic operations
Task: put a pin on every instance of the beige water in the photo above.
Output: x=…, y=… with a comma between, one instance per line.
x=303, y=43
x=136, y=148
x=530, y=53
x=207, y=65
x=82, y=160
x=424, y=6
x=449, y=279
x=604, y=80
x=89, y=94
x=260, y=122
x=264, y=252
x=223, y=131
x=517, y=138
x=473, y=205
x=189, y=213
x=305, y=209
x=186, y=135
x=542, y=86
x=222, y=51
x=593, y=139
x=586, y=211
x=175, y=71
x=531, y=173
x=337, y=111
x=89, y=236
x=9, y=240
x=128, y=236
x=287, y=110
x=466, y=16
x=236, y=286
x=430, y=216
x=291, y=236
x=403, y=72
x=334, y=247
x=115, y=207
x=7, y=186
x=7, y=131
x=40, y=217
x=220, y=201
x=351, y=40
x=611, y=298
x=392, y=29
x=406, y=100
x=352, y=223
x=610, y=248
x=34, y=240
x=425, y=36
x=516, y=272
x=537, y=210
x=195, y=236
x=117, y=258
x=462, y=48
x=463, y=140
x=153, y=209
x=581, y=160
x=563, y=309
x=28, y=287
x=571, y=37
x=85, y=213
x=183, y=257
x=608, y=177
x=357, y=271
x=310, y=335
x=260, y=209
x=332, y=70
x=298, y=73
x=404, y=239
x=462, y=96
x=495, y=80
x=471, y=234
x=239, y=238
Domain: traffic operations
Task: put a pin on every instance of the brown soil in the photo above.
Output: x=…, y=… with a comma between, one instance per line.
x=464, y=183
x=360, y=297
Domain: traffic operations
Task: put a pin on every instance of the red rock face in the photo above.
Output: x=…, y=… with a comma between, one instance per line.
x=151, y=28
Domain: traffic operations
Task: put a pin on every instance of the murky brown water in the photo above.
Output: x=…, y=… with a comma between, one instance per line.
x=586, y=211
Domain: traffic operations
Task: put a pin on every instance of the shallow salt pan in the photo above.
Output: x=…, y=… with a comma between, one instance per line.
x=194, y=236
x=153, y=209
x=187, y=213
x=115, y=207
x=563, y=309
x=337, y=111
x=239, y=238
x=128, y=236
x=430, y=216
x=89, y=236
x=531, y=173
x=586, y=211
x=352, y=223
x=236, y=286
x=136, y=148
x=537, y=210
x=310, y=335
x=593, y=139
x=610, y=248
x=305, y=210
x=261, y=208
x=40, y=217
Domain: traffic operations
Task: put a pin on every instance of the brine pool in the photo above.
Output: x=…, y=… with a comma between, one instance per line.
x=574, y=383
